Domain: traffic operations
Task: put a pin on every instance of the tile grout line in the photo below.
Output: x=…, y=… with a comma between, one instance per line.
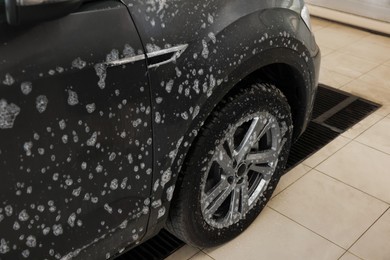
x=337, y=150
x=207, y=254
x=349, y=185
x=340, y=51
x=369, y=127
x=328, y=24
x=376, y=149
x=361, y=39
x=342, y=255
x=361, y=73
x=341, y=84
x=361, y=30
x=312, y=231
x=346, y=251
x=369, y=228
x=199, y=250
x=346, y=45
x=381, y=64
x=337, y=25
x=332, y=51
x=310, y=169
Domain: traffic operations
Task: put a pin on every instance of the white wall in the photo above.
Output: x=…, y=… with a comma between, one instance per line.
x=374, y=9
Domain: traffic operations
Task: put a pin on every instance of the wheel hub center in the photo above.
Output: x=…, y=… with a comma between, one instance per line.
x=241, y=170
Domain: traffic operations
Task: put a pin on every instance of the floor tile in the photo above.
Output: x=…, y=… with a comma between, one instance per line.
x=273, y=236
x=328, y=207
x=325, y=51
x=374, y=244
x=379, y=76
x=368, y=50
x=378, y=136
x=361, y=167
x=362, y=126
x=290, y=177
x=326, y=151
x=338, y=37
x=201, y=256
x=183, y=253
x=384, y=110
x=373, y=92
x=347, y=65
x=332, y=78
x=378, y=39
x=349, y=256
x=318, y=24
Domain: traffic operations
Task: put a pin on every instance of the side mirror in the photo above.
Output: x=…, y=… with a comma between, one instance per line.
x=26, y=11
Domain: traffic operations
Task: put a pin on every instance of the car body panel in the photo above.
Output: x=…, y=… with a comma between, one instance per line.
x=74, y=153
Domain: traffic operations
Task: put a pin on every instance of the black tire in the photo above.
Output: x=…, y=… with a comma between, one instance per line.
x=186, y=219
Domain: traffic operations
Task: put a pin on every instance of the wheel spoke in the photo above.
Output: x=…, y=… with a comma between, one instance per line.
x=239, y=204
x=229, y=144
x=259, y=190
x=224, y=161
x=260, y=169
x=244, y=196
x=264, y=157
x=233, y=213
x=217, y=195
x=266, y=128
x=250, y=138
x=265, y=171
x=275, y=134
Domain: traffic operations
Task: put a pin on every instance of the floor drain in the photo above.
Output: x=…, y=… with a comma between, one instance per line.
x=334, y=112
x=158, y=247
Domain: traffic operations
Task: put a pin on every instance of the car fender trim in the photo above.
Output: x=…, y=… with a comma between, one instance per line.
x=124, y=61
x=171, y=55
x=176, y=51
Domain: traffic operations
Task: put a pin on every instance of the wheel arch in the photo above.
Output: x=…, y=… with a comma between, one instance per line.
x=289, y=81
x=290, y=75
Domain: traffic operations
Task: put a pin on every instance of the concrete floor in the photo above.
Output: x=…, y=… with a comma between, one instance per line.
x=334, y=205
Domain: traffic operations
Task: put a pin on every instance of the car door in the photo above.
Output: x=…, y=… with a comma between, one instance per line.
x=183, y=60
x=75, y=135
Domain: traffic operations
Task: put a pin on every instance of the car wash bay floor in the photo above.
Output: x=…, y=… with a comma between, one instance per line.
x=335, y=204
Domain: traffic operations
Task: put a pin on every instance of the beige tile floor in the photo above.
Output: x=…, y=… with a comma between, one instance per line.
x=334, y=205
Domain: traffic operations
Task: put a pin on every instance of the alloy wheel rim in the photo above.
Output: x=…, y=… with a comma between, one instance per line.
x=241, y=169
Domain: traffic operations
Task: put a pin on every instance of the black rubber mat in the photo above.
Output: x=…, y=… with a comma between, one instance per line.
x=334, y=113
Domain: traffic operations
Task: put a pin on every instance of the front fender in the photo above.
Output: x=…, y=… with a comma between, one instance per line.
x=225, y=52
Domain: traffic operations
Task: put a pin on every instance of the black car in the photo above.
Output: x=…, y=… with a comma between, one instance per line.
x=120, y=118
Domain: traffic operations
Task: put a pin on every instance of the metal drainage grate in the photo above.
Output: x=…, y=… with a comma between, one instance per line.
x=158, y=247
x=334, y=113
x=330, y=119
